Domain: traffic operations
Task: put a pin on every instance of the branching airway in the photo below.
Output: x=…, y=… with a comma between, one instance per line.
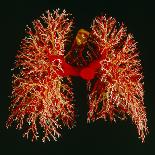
x=87, y=73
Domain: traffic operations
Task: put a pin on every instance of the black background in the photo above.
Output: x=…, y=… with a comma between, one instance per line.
x=100, y=137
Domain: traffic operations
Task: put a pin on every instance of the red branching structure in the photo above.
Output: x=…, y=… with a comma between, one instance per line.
x=39, y=91
x=118, y=88
x=106, y=57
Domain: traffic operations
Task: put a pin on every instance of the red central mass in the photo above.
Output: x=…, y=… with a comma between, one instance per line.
x=87, y=73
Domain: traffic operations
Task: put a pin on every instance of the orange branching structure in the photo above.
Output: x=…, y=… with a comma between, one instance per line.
x=118, y=88
x=106, y=57
x=39, y=92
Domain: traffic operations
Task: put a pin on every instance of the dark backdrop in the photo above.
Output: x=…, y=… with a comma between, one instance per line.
x=98, y=138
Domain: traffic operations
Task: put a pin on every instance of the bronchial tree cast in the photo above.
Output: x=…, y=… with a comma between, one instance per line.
x=105, y=56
